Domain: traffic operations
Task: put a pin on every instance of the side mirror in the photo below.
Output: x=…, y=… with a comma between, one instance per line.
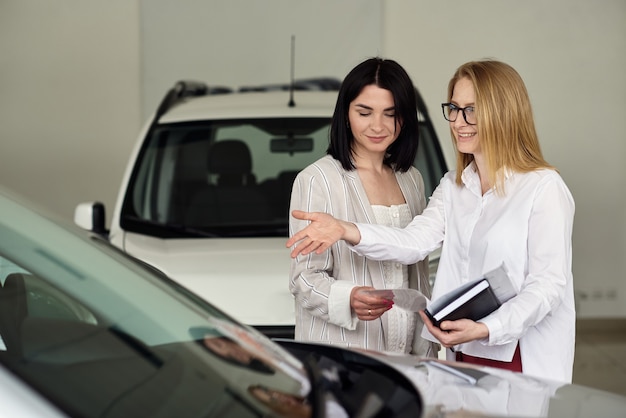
x=91, y=216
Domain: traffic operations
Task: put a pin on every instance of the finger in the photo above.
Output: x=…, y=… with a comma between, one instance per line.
x=381, y=306
x=322, y=246
x=363, y=295
x=305, y=247
x=429, y=325
x=382, y=302
x=300, y=214
x=295, y=252
x=425, y=319
x=373, y=312
x=372, y=301
x=298, y=236
x=297, y=249
x=449, y=326
x=312, y=247
x=368, y=314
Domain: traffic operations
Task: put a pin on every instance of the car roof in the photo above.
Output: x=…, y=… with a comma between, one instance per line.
x=269, y=104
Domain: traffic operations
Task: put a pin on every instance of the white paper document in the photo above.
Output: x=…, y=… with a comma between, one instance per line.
x=408, y=299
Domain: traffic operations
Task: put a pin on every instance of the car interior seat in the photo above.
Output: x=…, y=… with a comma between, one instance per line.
x=231, y=162
x=13, y=311
x=232, y=195
x=279, y=192
x=190, y=172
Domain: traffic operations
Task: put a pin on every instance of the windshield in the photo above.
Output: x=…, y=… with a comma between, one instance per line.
x=102, y=335
x=233, y=178
x=221, y=178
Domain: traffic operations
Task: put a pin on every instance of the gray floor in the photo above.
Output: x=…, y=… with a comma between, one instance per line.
x=600, y=360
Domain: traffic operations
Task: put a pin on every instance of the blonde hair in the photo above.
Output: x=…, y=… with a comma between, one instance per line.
x=504, y=121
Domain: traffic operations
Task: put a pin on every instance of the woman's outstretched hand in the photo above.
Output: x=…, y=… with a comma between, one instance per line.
x=322, y=232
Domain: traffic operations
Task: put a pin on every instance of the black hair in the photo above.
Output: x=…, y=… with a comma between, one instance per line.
x=389, y=75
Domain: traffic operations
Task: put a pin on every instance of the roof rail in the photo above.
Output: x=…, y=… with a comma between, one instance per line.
x=190, y=88
x=324, y=84
x=319, y=84
x=187, y=88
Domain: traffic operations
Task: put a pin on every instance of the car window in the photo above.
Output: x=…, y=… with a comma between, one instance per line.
x=39, y=299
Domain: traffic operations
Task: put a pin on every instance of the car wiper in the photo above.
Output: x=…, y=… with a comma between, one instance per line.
x=139, y=347
x=271, y=231
x=174, y=227
x=191, y=231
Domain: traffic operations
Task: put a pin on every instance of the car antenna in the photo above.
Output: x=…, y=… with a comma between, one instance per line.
x=291, y=85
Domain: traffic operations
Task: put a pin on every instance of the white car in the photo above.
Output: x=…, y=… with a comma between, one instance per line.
x=205, y=197
x=88, y=331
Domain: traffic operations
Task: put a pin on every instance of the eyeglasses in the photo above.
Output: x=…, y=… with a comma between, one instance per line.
x=451, y=112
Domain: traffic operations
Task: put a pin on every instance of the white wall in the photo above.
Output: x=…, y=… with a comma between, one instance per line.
x=69, y=98
x=78, y=78
x=244, y=42
x=572, y=55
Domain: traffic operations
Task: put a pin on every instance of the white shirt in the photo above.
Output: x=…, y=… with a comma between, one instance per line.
x=529, y=228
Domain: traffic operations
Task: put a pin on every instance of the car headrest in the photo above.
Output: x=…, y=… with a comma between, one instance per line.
x=230, y=156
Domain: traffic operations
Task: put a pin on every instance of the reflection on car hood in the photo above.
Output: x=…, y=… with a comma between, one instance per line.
x=499, y=393
x=245, y=277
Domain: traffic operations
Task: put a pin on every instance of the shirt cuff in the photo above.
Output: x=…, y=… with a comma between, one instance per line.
x=339, y=311
x=495, y=330
x=365, y=243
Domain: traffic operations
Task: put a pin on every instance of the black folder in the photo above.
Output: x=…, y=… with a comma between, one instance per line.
x=473, y=300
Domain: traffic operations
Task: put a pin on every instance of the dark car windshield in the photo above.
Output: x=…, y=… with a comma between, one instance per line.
x=233, y=178
x=225, y=178
x=99, y=334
